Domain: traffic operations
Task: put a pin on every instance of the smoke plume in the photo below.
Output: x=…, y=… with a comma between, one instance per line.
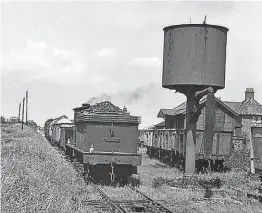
x=101, y=98
x=128, y=97
x=138, y=93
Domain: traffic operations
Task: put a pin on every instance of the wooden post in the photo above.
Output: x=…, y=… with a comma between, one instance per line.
x=26, y=107
x=23, y=113
x=19, y=112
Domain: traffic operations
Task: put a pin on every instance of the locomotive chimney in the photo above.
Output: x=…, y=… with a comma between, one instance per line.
x=249, y=94
x=125, y=109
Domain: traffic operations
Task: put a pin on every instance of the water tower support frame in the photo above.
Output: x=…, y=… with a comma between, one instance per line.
x=192, y=115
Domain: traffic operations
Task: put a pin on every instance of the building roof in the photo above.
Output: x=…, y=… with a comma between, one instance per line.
x=246, y=107
x=181, y=109
x=161, y=124
x=64, y=121
x=57, y=119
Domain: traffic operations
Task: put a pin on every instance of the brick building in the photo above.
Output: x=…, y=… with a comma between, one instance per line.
x=226, y=118
x=249, y=110
x=230, y=116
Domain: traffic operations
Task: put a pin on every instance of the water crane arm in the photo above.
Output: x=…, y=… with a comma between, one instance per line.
x=200, y=94
x=196, y=111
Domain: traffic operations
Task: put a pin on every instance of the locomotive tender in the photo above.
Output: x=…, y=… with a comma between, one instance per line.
x=103, y=137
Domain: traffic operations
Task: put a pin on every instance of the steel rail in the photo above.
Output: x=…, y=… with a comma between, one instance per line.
x=161, y=206
x=118, y=208
x=247, y=194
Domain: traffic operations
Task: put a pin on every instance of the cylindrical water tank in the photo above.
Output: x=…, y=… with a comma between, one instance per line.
x=194, y=56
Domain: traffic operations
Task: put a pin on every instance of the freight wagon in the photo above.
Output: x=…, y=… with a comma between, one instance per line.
x=47, y=128
x=62, y=132
x=50, y=127
x=169, y=146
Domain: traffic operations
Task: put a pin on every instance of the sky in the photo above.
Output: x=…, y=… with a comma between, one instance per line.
x=68, y=52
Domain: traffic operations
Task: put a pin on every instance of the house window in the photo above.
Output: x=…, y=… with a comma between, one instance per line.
x=256, y=119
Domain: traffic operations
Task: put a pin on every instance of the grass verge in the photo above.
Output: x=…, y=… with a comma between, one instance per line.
x=36, y=178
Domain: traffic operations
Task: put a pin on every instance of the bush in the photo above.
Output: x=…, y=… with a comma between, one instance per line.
x=159, y=181
x=239, y=161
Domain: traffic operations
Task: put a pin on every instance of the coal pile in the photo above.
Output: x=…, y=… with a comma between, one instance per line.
x=103, y=107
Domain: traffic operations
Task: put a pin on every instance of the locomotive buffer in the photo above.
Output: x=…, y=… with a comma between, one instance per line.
x=194, y=61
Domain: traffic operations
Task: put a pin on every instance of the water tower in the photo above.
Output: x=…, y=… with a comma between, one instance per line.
x=194, y=62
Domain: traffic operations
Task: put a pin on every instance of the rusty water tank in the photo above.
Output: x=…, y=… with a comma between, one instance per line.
x=194, y=56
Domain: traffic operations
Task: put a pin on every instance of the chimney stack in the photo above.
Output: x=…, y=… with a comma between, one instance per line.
x=249, y=93
x=125, y=109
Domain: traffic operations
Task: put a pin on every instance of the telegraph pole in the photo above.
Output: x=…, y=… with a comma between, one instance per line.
x=23, y=113
x=19, y=112
x=26, y=107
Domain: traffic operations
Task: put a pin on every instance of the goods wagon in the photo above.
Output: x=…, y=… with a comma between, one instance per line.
x=51, y=127
x=47, y=128
x=256, y=132
x=62, y=132
x=67, y=135
x=169, y=146
x=106, y=141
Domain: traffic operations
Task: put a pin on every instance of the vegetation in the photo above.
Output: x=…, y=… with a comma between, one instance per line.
x=158, y=182
x=36, y=178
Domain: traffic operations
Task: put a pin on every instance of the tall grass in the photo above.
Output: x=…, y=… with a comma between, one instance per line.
x=36, y=178
x=158, y=180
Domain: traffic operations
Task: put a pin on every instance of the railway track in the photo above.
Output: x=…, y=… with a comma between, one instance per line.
x=122, y=199
x=136, y=201
x=254, y=195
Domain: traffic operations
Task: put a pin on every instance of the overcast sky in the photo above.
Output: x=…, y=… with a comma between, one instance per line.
x=65, y=53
